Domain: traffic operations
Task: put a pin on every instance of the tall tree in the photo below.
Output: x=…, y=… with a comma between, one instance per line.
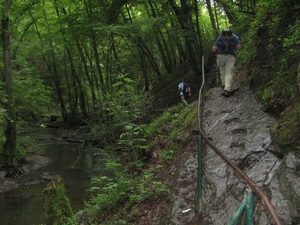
x=230, y=13
x=10, y=146
x=212, y=18
x=183, y=15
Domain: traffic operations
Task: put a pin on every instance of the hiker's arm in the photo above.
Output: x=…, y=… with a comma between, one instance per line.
x=190, y=92
x=215, y=47
x=237, y=42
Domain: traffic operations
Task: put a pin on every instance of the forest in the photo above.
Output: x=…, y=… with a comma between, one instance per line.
x=114, y=66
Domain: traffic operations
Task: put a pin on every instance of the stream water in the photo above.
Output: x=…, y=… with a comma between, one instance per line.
x=24, y=205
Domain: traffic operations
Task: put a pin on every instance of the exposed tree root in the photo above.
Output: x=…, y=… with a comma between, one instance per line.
x=14, y=173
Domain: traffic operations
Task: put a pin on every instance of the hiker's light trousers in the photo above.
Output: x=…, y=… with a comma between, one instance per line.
x=183, y=100
x=226, y=65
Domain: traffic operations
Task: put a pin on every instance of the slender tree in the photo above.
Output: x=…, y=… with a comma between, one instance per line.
x=212, y=18
x=231, y=15
x=183, y=15
x=216, y=16
x=9, y=153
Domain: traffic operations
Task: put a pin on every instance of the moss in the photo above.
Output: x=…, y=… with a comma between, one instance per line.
x=286, y=131
x=56, y=203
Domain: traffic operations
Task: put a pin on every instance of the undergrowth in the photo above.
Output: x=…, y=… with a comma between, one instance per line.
x=271, y=55
x=120, y=192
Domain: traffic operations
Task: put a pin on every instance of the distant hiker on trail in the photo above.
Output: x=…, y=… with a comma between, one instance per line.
x=184, y=91
x=225, y=46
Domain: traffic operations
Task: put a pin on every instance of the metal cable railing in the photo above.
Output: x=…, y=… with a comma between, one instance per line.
x=265, y=200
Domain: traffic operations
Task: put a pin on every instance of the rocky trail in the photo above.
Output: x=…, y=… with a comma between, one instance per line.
x=239, y=128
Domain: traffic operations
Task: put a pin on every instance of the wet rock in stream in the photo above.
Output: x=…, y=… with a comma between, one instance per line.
x=32, y=162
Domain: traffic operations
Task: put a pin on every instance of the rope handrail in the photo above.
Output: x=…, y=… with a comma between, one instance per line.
x=265, y=200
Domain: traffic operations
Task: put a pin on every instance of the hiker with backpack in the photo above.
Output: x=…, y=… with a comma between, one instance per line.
x=184, y=91
x=225, y=46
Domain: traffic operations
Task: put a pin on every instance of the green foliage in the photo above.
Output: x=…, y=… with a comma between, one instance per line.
x=286, y=131
x=281, y=87
x=128, y=108
x=109, y=191
x=124, y=188
x=158, y=124
x=167, y=155
x=112, y=193
x=191, y=117
x=120, y=189
x=169, y=129
x=23, y=143
x=67, y=221
x=126, y=103
x=32, y=97
x=292, y=36
x=125, y=110
x=116, y=220
x=267, y=95
x=146, y=188
x=271, y=53
x=131, y=139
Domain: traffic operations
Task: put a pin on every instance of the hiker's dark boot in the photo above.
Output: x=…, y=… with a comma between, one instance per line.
x=226, y=93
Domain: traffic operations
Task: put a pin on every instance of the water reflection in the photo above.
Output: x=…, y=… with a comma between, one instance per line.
x=24, y=205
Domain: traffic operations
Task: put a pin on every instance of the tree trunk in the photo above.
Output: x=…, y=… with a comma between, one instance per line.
x=229, y=13
x=73, y=86
x=82, y=96
x=183, y=17
x=163, y=46
x=216, y=16
x=83, y=104
x=10, y=145
x=52, y=70
x=198, y=30
x=212, y=18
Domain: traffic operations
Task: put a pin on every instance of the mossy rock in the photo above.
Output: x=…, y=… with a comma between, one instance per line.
x=56, y=203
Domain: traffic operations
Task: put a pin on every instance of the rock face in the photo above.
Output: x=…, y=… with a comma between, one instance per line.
x=239, y=128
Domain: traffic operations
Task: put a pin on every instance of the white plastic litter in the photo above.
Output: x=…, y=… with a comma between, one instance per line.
x=186, y=210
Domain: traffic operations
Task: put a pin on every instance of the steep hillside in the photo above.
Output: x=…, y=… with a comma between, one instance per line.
x=238, y=126
x=270, y=61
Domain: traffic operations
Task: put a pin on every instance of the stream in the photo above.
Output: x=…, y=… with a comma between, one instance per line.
x=24, y=204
